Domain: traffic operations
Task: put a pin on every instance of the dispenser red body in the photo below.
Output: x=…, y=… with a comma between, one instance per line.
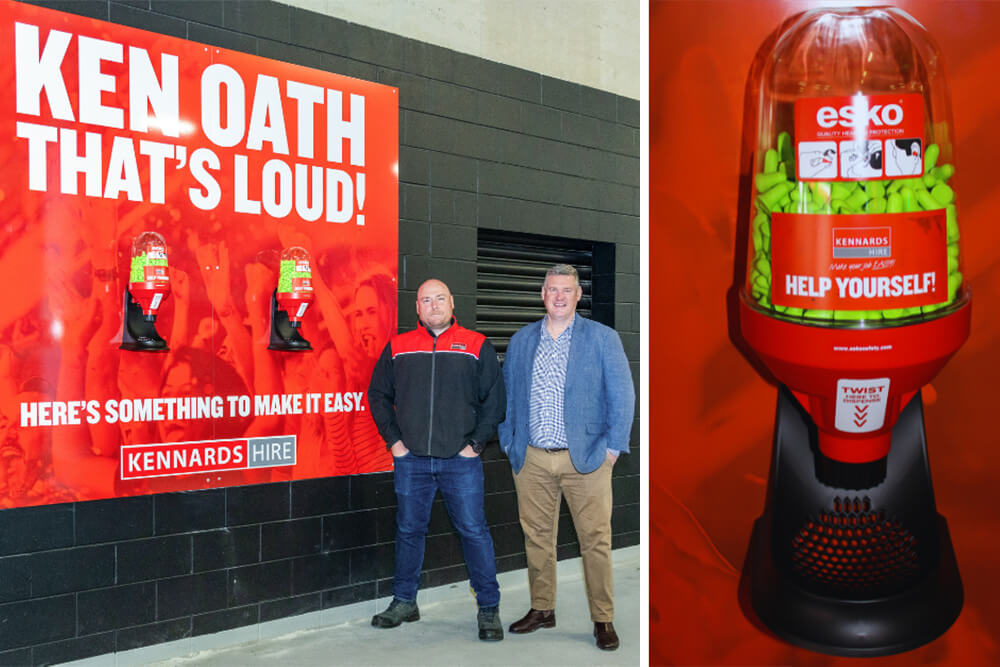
x=863, y=376
x=297, y=301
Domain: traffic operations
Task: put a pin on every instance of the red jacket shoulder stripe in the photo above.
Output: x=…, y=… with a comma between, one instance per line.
x=455, y=339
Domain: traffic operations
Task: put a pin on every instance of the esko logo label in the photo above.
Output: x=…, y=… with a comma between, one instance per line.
x=457, y=346
x=851, y=115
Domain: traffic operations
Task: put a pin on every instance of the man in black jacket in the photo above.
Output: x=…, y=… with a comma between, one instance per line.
x=437, y=395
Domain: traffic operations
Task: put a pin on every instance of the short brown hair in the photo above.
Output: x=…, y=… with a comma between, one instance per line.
x=563, y=270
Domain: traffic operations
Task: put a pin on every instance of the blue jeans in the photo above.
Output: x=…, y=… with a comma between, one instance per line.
x=460, y=479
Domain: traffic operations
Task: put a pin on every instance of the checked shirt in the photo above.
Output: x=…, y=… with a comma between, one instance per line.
x=548, y=380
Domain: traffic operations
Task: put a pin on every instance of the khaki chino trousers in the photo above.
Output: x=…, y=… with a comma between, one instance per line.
x=543, y=480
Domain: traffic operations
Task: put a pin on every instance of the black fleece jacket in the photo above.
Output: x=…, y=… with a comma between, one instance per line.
x=437, y=393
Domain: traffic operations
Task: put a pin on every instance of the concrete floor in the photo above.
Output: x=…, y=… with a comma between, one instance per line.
x=446, y=635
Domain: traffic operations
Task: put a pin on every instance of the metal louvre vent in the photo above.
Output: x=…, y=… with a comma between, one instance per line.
x=509, y=275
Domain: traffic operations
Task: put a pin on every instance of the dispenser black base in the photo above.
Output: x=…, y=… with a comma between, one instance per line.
x=139, y=333
x=852, y=571
x=285, y=333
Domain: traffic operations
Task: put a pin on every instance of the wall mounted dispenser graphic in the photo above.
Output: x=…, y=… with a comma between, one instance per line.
x=148, y=286
x=854, y=299
x=290, y=301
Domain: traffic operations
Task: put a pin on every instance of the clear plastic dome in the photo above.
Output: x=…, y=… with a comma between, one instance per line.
x=295, y=274
x=149, y=259
x=854, y=220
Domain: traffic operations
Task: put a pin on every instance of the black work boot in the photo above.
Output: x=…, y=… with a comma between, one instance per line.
x=490, y=628
x=397, y=612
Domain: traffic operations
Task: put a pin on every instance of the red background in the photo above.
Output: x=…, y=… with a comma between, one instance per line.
x=710, y=441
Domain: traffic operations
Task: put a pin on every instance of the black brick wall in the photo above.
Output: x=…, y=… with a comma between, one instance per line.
x=481, y=145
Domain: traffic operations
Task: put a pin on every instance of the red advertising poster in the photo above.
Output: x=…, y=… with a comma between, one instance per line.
x=206, y=183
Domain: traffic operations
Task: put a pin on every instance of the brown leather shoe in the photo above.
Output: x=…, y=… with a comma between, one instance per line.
x=607, y=638
x=533, y=620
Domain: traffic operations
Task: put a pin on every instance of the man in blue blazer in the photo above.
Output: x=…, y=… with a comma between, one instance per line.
x=570, y=403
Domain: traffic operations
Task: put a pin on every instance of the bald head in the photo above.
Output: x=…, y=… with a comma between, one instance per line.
x=432, y=285
x=435, y=305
